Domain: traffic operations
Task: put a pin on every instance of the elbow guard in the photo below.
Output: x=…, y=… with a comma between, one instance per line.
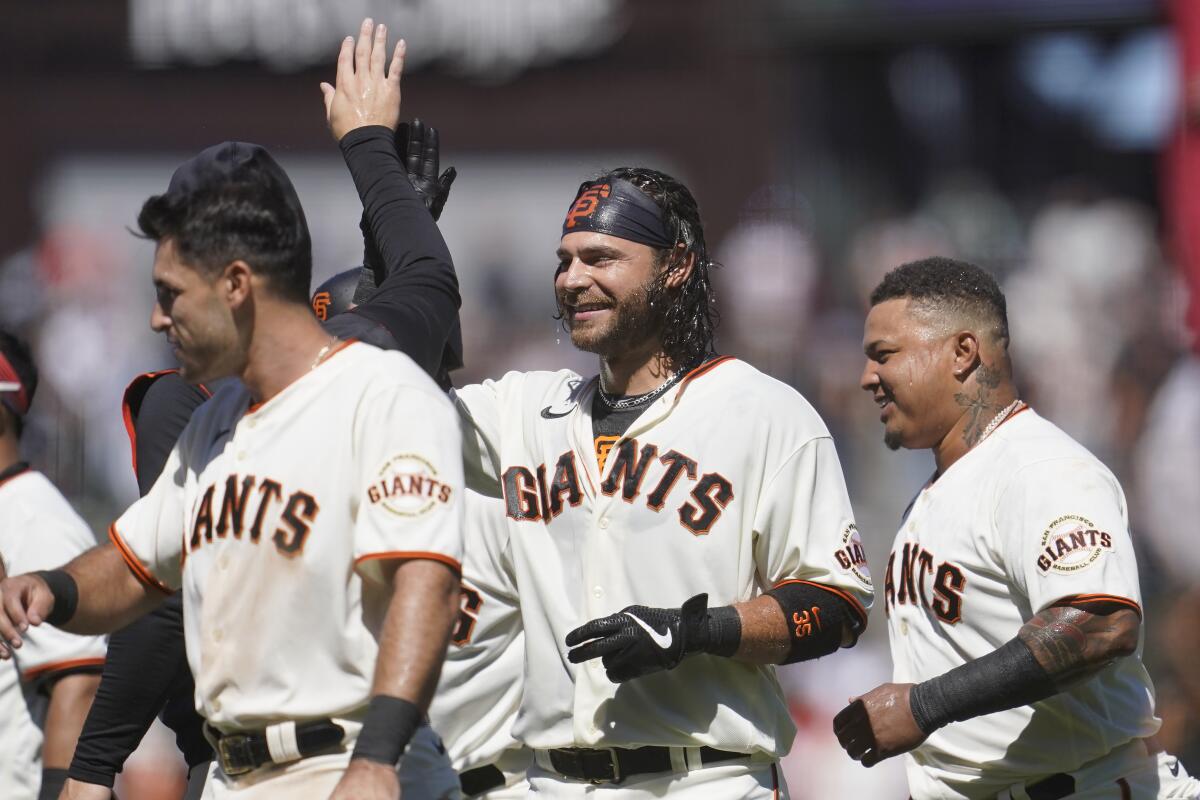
x=817, y=618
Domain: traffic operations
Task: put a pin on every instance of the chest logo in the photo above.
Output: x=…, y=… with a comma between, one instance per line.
x=408, y=486
x=1071, y=543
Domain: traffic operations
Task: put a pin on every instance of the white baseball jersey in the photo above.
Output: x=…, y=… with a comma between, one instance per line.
x=1027, y=518
x=727, y=484
x=38, y=530
x=274, y=518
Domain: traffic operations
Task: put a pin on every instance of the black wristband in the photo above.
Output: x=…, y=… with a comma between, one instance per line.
x=816, y=619
x=53, y=780
x=387, y=729
x=66, y=595
x=1005, y=678
x=724, y=631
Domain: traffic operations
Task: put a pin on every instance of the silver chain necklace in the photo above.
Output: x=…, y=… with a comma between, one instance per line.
x=996, y=420
x=636, y=400
x=324, y=351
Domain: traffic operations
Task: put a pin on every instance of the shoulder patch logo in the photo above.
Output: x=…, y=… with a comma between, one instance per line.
x=1071, y=543
x=851, y=556
x=408, y=486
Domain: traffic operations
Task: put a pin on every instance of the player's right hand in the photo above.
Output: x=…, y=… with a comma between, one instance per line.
x=24, y=600
x=417, y=146
x=363, y=93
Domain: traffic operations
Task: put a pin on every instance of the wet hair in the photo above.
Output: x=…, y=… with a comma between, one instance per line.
x=947, y=284
x=248, y=215
x=21, y=358
x=690, y=314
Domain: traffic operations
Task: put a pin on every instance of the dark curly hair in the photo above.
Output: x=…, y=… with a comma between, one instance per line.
x=689, y=315
x=948, y=283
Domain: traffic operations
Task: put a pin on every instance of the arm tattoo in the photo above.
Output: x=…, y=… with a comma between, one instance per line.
x=980, y=408
x=1072, y=644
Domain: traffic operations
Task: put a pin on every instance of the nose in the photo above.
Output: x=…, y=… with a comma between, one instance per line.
x=575, y=276
x=159, y=321
x=869, y=378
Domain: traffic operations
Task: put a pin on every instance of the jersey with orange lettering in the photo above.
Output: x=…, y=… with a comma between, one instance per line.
x=480, y=688
x=38, y=530
x=274, y=519
x=1026, y=519
x=728, y=483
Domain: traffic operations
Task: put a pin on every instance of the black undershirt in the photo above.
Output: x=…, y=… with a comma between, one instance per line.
x=414, y=310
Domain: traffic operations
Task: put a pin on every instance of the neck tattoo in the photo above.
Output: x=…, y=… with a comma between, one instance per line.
x=324, y=351
x=633, y=401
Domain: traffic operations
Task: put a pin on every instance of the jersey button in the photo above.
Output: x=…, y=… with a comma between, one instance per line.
x=603, y=523
x=241, y=456
x=904, y=627
x=597, y=592
x=218, y=635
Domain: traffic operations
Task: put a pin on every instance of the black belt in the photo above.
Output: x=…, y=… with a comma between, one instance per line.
x=243, y=752
x=1060, y=784
x=615, y=764
x=481, y=779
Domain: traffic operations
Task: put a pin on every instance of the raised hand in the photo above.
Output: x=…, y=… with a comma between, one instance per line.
x=417, y=146
x=364, y=94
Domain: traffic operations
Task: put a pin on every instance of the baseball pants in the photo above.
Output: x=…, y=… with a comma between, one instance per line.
x=425, y=772
x=1155, y=776
x=746, y=781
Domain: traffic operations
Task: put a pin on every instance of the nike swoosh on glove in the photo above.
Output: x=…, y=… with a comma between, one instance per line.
x=639, y=640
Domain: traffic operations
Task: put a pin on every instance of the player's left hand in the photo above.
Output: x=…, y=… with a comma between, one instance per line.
x=878, y=725
x=24, y=600
x=367, y=780
x=639, y=641
x=364, y=94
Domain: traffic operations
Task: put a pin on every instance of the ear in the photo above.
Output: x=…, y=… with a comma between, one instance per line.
x=235, y=282
x=966, y=354
x=679, y=267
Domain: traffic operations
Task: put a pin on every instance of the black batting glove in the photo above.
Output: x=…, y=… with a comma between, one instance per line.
x=417, y=146
x=639, y=641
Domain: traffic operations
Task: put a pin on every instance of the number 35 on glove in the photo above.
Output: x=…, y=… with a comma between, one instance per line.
x=639, y=640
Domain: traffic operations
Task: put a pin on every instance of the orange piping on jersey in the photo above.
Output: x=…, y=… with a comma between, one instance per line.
x=25, y=471
x=127, y=412
x=414, y=554
x=855, y=606
x=774, y=782
x=135, y=566
x=1087, y=599
x=61, y=666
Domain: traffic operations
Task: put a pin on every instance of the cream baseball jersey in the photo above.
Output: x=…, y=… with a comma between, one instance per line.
x=38, y=530
x=480, y=688
x=274, y=519
x=727, y=484
x=1026, y=519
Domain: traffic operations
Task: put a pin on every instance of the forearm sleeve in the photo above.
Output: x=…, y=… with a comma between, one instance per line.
x=417, y=302
x=146, y=665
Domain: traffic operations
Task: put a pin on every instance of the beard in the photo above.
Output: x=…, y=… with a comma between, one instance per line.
x=634, y=320
x=891, y=439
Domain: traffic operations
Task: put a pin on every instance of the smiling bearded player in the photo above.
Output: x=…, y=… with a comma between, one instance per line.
x=1014, y=612
x=673, y=524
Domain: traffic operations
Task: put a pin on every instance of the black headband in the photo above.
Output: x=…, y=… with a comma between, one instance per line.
x=617, y=208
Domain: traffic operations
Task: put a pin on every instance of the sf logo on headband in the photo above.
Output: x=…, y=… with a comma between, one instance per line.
x=586, y=204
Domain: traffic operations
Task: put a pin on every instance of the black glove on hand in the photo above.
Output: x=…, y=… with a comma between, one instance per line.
x=417, y=146
x=639, y=641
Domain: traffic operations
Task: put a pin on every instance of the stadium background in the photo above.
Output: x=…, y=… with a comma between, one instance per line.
x=826, y=140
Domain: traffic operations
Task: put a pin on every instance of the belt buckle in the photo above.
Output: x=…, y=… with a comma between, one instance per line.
x=229, y=748
x=616, y=768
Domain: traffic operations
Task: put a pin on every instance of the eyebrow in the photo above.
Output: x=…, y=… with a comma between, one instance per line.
x=876, y=344
x=592, y=251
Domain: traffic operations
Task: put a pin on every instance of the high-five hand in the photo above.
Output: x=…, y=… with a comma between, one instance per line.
x=363, y=93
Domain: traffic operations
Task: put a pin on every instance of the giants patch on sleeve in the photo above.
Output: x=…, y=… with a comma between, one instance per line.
x=1071, y=543
x=408, y=486
x=851, y=556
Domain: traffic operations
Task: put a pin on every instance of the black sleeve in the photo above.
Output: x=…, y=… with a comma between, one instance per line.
x=416, y=306
x=161, y=414
x=145, y=667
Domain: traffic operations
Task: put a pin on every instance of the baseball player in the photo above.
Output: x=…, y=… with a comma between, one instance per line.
x=315, y=537
x=1012, y=595
x=675, y=525
x=147, y=661
x=480, y=690
x=46, y=690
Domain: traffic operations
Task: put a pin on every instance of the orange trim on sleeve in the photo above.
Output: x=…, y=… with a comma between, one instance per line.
x=855, y=605
x=135, y=566
x=16, y=474
x=1086, y=599
x=61, y=666
x=410, y=554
